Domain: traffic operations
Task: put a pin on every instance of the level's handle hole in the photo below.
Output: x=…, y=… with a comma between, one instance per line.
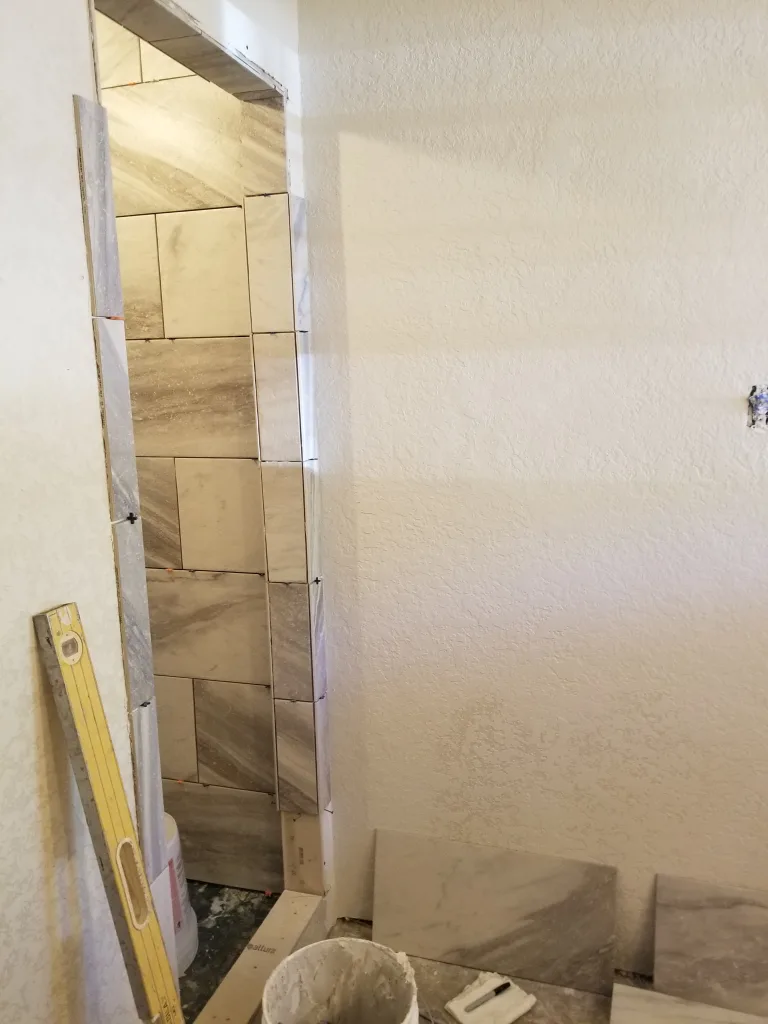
x=134, y=887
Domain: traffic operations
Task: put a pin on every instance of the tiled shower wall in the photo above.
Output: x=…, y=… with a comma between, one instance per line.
x=213, y=269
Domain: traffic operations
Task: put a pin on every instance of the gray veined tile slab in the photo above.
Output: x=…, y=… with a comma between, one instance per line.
x=203, y=273
x=149, y=793
x=297, y=208
x=98, y=207
x=140, y=276
x=322, y=753
x=291, y=645
x=184, y=144
x=317, y=627
x=211, y=625
x=642, y=1006
x=235, y=735
x=269, y=263
x=216, y=65
x=159, y=512
x=149, y=19
x=118, y=53
x=712, y=944
x=283, y=487
x=176, y=722
x=312, y=516
x=296, y=772
x=157, y=66
x=118, y=421
x=277, y=397
x=193, y=397
x=531, y=916
x=305, y=358
x=134, y=614
x=229, y=836
x=222, y=515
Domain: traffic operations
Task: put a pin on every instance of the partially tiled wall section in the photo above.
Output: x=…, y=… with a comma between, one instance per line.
x=213, y=267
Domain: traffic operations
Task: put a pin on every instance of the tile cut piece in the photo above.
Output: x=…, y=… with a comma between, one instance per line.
x=193, y=397
x=159, y=512
x=140, y=277
x=525, y=915
x=209, y=624
x=149, y=791
x=277, y=396
x=98, y=207
x=203, y=273
x=134, y=614
x=269, y=263
x=184, y=144
x=291, y=648
x=235, y=735
x=176, y=726
x=296, y=773
x=229, y=836
x=283, y=487
x=712, y=944
x=221, y=514
x=643, y=1006
x=303, y=853
x=118, y=53
x=297, y=208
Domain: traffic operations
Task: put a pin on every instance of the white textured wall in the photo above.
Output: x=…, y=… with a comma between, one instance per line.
x=539, y=244
x=60, y=960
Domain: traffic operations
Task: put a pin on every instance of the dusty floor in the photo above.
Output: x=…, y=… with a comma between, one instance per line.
x=226, y=920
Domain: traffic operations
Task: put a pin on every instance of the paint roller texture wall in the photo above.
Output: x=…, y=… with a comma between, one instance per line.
x=538, y=245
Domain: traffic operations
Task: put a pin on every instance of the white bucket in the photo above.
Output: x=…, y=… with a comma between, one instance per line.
x=346, y=981
x=184, y=919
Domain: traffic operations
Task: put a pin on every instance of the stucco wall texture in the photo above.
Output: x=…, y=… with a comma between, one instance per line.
x=539, y=241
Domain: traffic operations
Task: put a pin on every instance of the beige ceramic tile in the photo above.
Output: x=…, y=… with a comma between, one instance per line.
x=203, y=273
x=290, y=633
x=296, y=772
x=140, y=277
x=118, y=53
x=303, y=853
x=159, y=513
x=229, y=836
x=184, y=144
x=235, y=735
x=277, y=397
x=221, y=514
x=156, y=66
x=176, y=725
x=209, y=624
x=193, y=397
x=284, y=521
x=269, y=263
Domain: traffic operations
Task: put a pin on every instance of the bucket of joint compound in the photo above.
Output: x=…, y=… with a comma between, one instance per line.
x=341, y=980
x=184, y=920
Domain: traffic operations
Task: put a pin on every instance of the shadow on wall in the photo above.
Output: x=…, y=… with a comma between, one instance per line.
x=534, y=234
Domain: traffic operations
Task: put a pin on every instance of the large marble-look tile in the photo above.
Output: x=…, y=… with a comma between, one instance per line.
x=118, y=421
x=531, y=916
x=134, y=614
x=149, y=19
x=157, y=66
x=159, y=512
x=140, y=276
x=277, y=397
x=291, y=645
x=93, y=154
x=176, y=722
x=712, y=944
x=642, y=1006
x=118, y=53
x=313, y=516
x=230, y=836
x=269, y=263
x=296, y=773
x=184, y=144
x=209, y=624
x=193, y=397
x=297, y=209
x=212, y=62
x=303, y=853
x=221, y=514
x=149, y=792
x=203, y=272
x=317, y=626
x=235, y=735
x=305, y=363
x=323, y=753
x=284, y=521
